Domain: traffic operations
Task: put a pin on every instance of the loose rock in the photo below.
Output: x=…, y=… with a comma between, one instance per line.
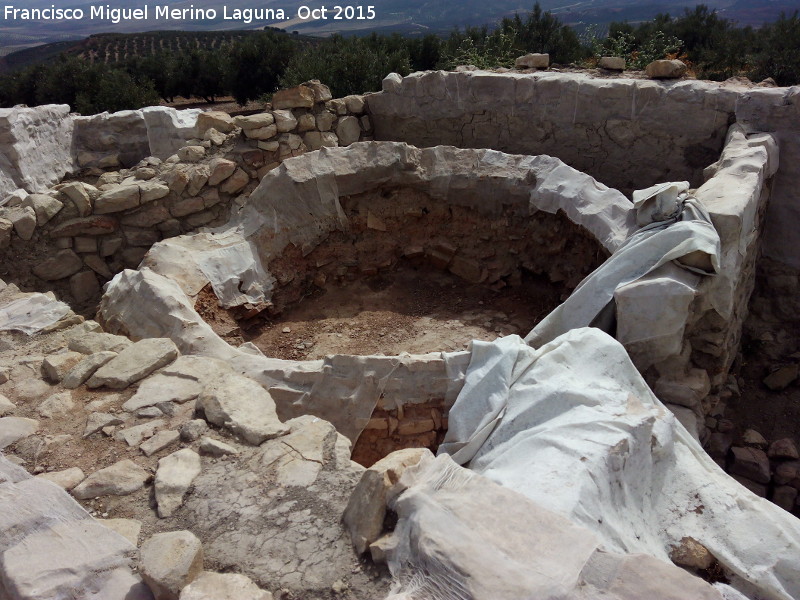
x=170, y=561
x=120, y=479
x=134, y=363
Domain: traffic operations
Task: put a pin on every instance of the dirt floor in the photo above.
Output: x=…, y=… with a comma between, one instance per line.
x=774, y=414
x=405, y=310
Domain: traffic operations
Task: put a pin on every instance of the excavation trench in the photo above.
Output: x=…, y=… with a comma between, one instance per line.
x=411, y=275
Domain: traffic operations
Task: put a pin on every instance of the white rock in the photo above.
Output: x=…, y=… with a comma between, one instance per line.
x=284, y=120
x=354, y=104
x=6, y=406
x=220, y=170
x=170, y=561
x=78, y=374
x=613, y=63
x=117, y=199
x=348, y=130
x=57, y=406
x=45, y=207
x=242, y=406
x=13, y=429
x=191, y=154
x=24, y=221
x=221, y=121
x=174, y=475
x=134, y=363
x=666, y=69
x=214, y=447
x=56, y=366
x=262, y=133
x=223, y=586
x=120, y=479
x=532, y=61
x=92, y=342
x=67, y=479
x=161, y=440
x=133, y=436
x=99, y=420
x=127, y=528
x=163, y=388
x=257, y=121
x=366, y=509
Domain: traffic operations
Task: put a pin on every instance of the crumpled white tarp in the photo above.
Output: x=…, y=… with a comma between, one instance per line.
x=235, y=274
x=573, y=426
x=31, y=313
x=674, y=226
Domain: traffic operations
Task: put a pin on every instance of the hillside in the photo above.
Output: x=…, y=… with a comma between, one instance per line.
x=110, y=48
x=404, y=16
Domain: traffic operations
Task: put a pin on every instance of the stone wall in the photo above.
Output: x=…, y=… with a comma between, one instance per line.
x=82, y=232
x=626, y=133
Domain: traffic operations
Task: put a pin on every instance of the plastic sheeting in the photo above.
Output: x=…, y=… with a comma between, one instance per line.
x=31, y=313
x=674, y=226
x=574, y=427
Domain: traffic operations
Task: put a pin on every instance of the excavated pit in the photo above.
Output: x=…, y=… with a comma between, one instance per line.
x=411, y=275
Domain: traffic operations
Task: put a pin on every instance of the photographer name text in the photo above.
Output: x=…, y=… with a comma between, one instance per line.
x=110, y=14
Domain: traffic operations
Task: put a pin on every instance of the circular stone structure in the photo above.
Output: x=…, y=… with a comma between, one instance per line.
x=472, y=219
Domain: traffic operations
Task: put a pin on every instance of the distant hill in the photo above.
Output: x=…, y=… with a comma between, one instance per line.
x=110, y=48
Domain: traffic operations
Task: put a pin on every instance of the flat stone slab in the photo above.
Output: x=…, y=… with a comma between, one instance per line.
x=78, y=374
x=174, y=475
x=13, y=429
x=120, y=479
x=242, y=406
x=169, y=561
x=223, y=586
x=163, y=388
x=134, y=363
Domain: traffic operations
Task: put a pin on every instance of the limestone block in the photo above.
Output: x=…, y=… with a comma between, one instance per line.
x=56, y=366
x=94, y=225
x=687, y=391
x=84, y=286
x=354, y=104
x=220, y=169
x=235, y=182
x=612, y=63
x=174, y=475
x=348, y=130
x=98, y=421
x=242, y=406
x=134, y=363
x=163, y=388
x=215, y=119
x=751, y=463
x=314, y=140
x=665, y=69
x=306, y=122
x=46, y=207
x=13, y=429
x=90, y=342
x=284, y=120
x=324, y=120
x=262, y=133
x=117, y=199
x=63, y=264
x=213, y=447
x=256, y=121
x=120, y=479
x=322, y=93
x=170, y=561
x=66, y=479
x=78, y=194
x=223, y=586
x=191, y=154
x=157, y=443
x=296, y=97
x=24, y=220
x=532, y=61
x=152, y=190
x=366, y=509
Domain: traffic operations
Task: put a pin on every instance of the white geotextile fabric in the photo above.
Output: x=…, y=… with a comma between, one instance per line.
x=674, y=226
x=31, y=313
x=573, y=426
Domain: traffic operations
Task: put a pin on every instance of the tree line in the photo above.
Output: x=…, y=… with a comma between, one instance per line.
x=254, y=67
